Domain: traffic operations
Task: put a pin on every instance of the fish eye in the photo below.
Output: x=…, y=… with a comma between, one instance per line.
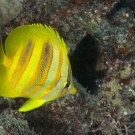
x=67, y=85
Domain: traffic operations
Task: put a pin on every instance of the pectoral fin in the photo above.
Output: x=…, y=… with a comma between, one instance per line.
x=31, y=104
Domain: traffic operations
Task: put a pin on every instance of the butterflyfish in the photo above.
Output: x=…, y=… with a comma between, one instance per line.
x=34, y=64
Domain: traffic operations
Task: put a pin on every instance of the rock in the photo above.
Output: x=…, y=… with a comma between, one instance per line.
x=9, y=9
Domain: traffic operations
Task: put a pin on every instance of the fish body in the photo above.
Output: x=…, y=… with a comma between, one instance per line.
x=34, y=64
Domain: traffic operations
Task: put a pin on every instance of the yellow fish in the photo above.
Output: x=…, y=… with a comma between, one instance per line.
x=34, y=64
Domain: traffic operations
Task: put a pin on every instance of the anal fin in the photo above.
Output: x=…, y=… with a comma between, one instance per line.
x=31, y=104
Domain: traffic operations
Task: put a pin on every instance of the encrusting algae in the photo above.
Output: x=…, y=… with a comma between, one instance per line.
x=34, y=64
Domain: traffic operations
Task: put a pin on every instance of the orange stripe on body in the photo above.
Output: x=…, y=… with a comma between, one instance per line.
x=63, y=92
x=57, y=78
x=47, y=64
x=22, y=64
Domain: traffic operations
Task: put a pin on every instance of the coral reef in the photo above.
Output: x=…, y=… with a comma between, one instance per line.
x=81, y=114
x=108, y=28
x=73, y=18
x=132, y=2
x=117, y=48
x=13, y=123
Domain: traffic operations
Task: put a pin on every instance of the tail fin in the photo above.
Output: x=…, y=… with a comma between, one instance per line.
x=1, y=49
x=5, y=89
x=1, y=54
x=3, y=82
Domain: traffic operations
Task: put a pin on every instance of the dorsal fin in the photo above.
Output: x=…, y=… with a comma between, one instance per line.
x=22, y=34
